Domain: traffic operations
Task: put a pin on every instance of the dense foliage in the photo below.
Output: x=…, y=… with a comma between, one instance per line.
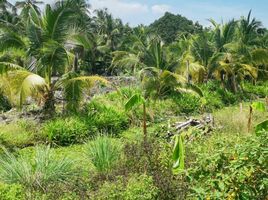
x=170, y=27
x=63, y=136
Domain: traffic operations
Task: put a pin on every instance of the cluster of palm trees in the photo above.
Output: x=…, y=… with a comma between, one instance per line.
x=66, y=41
x=229, y=52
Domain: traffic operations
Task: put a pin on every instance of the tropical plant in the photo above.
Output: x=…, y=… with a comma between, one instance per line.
x=258, y=106
x=104, y=153
x=37, y=173
x=46, y=40
x=178, y=154
x=66, y=131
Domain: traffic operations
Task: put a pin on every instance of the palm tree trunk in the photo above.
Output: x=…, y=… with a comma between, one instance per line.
x=49, y=106
x=234, y=85
x=75, y=64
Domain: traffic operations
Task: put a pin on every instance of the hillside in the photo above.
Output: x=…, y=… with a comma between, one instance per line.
x=170, y=26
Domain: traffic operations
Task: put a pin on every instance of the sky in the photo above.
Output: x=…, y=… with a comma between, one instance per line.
x=137, y=12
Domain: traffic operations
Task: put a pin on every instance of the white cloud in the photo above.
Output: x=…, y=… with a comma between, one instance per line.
x=160, y=9
x=120, y=8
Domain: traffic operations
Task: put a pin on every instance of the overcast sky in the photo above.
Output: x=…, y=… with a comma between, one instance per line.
x=136, y=12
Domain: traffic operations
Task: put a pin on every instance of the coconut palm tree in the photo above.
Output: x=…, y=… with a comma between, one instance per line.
x=46, y=45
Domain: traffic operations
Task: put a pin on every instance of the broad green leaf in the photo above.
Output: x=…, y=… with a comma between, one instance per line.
x=178, y=154
x=135, y=100
x=263, y=126
x=260, y=106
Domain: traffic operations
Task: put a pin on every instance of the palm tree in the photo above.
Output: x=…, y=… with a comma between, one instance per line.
x=26, y=7
x=109, y=27
x=45, y=42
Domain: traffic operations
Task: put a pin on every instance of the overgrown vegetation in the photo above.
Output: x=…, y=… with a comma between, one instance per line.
x=90, y=107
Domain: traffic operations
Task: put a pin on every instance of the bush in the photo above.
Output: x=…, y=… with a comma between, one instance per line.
x=19, y=134
x=104, y=153
x=66, y=131
x=106, y=118
x=158, y=164
x=188, y=104
x=11, y=192
x=260, y=90
x=212, y=101
x=111, y=190
x=140, y=187
x=233, y=167
x=137, y=187
x=37, y=173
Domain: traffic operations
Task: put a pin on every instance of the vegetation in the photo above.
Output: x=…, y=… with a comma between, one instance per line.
x=90, y=107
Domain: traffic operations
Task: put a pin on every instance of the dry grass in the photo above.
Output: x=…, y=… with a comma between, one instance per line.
x=234, y=120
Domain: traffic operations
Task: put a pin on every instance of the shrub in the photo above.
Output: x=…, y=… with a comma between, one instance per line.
x=137, y=187
x=233, y=167
x=212, y=101
x=66, y=131
x=11, y=192
x=111, y=190
x=188, y=104
x=123, y=93
x=140, y=187
x=228, y=98
x=19, y=134
x=104, y=153
x=158, y=164
x=106, y=118
x=38, y=173
x=261, y=90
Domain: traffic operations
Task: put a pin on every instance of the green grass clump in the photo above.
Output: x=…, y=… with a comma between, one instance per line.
x=37, y=173
x=104, y=152
x=66, y=131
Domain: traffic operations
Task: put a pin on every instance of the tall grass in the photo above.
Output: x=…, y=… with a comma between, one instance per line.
x=37, y=173
x=104, y=152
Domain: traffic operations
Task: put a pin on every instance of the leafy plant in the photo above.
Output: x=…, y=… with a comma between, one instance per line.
x=140, y=187
x=66, y=131
x=261, y=127
x=188, y=104
x=236, y=171
x=12, y=192
x=258, y=106
x=105, y=118
x=136, y=187
x=178, y=154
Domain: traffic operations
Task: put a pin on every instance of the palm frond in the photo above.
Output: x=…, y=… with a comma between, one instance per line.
x=23, y=84
x=6, y=66
x=73, y=86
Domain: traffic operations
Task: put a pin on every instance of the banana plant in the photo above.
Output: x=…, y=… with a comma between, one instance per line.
x=259, y=106
x=134, y=101
x=178, y=154
x=263, y=126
